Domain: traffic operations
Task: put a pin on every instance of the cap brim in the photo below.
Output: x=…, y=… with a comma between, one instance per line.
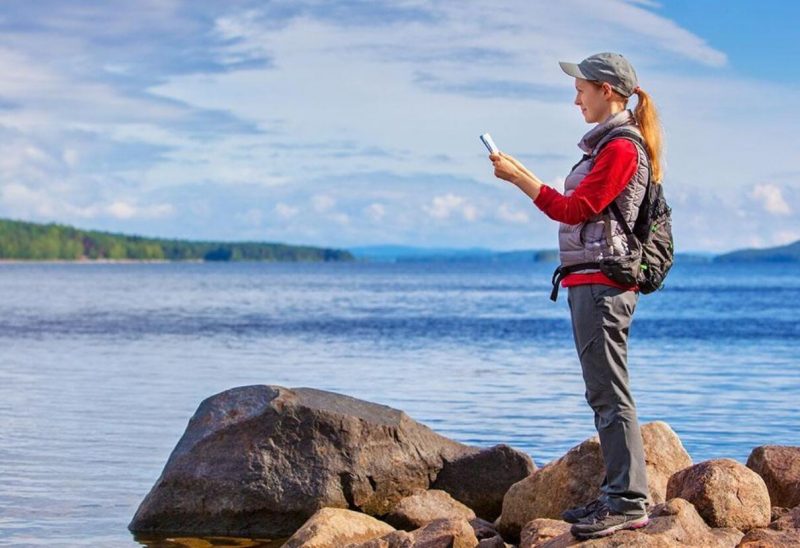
x=572, y=69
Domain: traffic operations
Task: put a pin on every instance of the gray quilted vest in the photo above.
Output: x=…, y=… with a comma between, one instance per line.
x=602, y=235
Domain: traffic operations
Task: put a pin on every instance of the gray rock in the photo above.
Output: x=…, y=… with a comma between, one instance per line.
x=725, y=492
x=769, y=538
x=417, y=510
x=779, y=467
x=789, y=521
x=483, y=529
x=440, y=533
x=539, y=531
x=258, y=461
x=493, y=542
x=481, y=480
x=398, y=539
x=336, y=527
x=446, y=533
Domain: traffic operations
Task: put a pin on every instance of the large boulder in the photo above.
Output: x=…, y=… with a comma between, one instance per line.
x=336, y=527
x=481, y=480
x=576, y=477
x=779, y=467
x=673, y=524
x=417, y=510
x=258, y=461
x=725, y=492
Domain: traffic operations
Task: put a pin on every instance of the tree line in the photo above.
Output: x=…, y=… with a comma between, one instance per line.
x=34, y=241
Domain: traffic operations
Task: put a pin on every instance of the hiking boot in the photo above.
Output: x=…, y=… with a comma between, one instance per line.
x=574, y=515
x=604, y=522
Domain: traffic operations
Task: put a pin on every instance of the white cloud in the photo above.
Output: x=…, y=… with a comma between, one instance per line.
x=252, y=217
x=442, y=207
x=771, y=199
x=341, y=218
x=285, y=211
x=122, y=210
x=126, y=210
x=470, y=212
x=375, y=211
x=322, y=202
x=26, y=202
x=783, y=237
x=508, y=214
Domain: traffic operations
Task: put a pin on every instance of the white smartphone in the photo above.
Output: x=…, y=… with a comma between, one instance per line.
x=487, y=140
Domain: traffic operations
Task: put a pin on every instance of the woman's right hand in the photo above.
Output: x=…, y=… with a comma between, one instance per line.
x=505, y=167
x=510, y=169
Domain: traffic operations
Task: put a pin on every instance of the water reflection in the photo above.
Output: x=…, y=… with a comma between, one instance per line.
x=206, y=542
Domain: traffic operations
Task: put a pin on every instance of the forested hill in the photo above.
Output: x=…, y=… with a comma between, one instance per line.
x=783, y=254
x=33, y=241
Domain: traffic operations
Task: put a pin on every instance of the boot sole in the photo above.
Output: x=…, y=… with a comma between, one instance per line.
x=638, y=523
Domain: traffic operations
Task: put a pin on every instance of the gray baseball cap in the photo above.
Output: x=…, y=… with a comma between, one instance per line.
x=605, y=67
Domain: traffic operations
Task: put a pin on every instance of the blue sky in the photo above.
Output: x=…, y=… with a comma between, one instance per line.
x=355, y=123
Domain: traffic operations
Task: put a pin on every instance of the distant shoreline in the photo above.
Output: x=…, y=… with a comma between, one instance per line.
x=148, y=261
x=95, y=261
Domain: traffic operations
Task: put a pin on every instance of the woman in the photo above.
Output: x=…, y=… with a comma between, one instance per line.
x=612, y=170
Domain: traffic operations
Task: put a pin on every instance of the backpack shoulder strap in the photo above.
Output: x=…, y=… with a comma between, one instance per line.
x=622, y=132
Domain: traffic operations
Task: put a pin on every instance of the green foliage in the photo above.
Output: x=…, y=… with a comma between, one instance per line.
x=21, y=240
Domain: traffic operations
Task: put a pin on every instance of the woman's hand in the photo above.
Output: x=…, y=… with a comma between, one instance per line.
x=507, y=167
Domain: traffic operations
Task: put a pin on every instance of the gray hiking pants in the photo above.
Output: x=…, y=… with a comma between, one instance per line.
x=601, y=318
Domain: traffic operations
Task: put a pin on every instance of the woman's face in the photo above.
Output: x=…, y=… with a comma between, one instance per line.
x=592, y=101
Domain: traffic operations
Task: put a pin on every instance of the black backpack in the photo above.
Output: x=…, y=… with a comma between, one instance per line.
x=650, y=240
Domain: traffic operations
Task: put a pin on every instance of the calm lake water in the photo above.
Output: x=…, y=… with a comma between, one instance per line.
x=101, y=366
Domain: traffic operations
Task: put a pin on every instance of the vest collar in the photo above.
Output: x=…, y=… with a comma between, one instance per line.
x=593, y=137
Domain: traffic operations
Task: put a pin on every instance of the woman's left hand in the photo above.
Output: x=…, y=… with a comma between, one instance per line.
x=506, y=167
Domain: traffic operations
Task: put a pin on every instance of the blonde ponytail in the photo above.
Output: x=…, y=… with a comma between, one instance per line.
x=647, y=118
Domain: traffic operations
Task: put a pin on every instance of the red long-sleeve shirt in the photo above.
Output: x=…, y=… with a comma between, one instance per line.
x=612, y=169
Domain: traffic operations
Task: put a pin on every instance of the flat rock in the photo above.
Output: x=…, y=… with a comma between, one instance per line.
x=725, y=493
x=481, y=480
x=541, y=530
x=397, y=539
x=770, y=538
x=417, y=510
x=336, y=527
x=258, y=461
x=575, y=479
x=446, y=533
x=673, y=524
x=440, y=533
x=779, y=467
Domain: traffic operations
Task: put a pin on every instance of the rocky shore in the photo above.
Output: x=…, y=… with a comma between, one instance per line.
x=327, y=470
